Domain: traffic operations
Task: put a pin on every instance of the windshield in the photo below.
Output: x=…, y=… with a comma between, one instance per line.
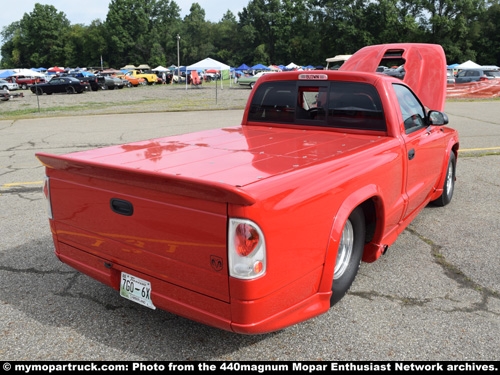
x=492, y=73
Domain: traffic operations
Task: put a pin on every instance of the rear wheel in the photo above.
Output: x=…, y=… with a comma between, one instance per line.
x=449, y=183
x=70, y=90
x=349, y=255
x=24, y=86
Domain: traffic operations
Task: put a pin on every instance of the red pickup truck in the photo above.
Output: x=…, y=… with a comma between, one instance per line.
x=25, y=82
x=260, y=226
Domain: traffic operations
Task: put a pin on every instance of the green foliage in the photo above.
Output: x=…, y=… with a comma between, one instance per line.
x=265, y=31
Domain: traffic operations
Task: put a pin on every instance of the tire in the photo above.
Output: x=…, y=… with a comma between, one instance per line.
x=5, y=88
x=70, y=90
x=349, y=255
x=252, y=85
x=24, y=86
x=449, y=183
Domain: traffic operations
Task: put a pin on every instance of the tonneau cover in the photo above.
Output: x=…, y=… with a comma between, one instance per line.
x=214, y=164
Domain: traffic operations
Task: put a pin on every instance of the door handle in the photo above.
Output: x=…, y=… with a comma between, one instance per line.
x=121, y=207
x=411, y=154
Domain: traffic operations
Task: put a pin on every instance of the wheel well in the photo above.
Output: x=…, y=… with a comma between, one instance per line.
x=370, y=213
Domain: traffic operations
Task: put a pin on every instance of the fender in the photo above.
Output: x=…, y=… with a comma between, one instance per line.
x=348, y=205
x=452, y=146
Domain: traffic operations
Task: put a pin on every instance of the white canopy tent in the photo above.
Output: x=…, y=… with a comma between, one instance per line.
x=292, y=66
x=207, y=64
x=27, y=73
x=468, y=65
x=160, y=68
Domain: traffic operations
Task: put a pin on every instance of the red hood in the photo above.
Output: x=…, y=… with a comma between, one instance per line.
x=425, y=66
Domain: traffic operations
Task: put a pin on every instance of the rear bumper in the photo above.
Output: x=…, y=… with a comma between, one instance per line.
x=244, y=317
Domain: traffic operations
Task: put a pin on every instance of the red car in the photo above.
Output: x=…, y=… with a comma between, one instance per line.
x=258, y=226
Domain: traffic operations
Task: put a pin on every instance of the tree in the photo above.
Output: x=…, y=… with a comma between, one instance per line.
x=224, y=36
x=488, y=42
x=127, y=25
x=196, y=42
x=38, y=39
x=454, y=25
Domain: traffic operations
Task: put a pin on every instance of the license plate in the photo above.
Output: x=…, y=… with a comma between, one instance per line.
x=136, y=289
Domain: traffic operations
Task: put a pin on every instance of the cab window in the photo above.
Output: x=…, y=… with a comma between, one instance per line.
x=333, y=104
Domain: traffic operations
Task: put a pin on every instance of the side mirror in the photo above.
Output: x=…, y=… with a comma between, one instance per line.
x=436, y=118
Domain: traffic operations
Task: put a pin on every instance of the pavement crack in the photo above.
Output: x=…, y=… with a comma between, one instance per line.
x=71, y=284
x=454, y=272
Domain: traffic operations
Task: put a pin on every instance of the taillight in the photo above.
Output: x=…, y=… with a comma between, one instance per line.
x=483, y=78
x=246, y=249
x=46, y=193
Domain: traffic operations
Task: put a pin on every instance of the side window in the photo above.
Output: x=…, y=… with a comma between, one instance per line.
x=413, y=112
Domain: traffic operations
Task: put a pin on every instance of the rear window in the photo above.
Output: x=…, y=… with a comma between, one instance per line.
x=346, y=105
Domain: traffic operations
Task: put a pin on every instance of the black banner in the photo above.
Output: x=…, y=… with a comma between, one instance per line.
x=240, y=367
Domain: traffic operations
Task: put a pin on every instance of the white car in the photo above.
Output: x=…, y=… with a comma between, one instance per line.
x=6, y=85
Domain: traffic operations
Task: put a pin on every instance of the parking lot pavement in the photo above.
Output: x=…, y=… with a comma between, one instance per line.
x=434, y=296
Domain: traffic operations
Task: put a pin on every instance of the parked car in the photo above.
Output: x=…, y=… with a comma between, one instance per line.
x=475, y=75
x=398, y=72
x=250, y=81
x=450, y=76
x=90, y=80
x=110, y=82
x=25, y=81
x=69, y=85
x=6, y=85
x=131, y=81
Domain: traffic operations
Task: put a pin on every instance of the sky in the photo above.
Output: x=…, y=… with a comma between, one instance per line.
x=84, y=12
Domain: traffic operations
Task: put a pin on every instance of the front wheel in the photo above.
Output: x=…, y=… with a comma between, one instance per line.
x=449, y=183
x=349, y=255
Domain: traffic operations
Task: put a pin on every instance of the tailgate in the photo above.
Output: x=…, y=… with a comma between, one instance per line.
x=178, y=239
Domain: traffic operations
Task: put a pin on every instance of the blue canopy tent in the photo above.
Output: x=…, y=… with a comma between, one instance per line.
x=7, y=73
x=259, y=67
x=242, y=67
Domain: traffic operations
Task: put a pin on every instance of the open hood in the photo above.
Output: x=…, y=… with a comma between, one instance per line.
x=424, y=65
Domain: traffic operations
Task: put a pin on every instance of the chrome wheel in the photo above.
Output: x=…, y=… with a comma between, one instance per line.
x=449, y=181
x=344, y=252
